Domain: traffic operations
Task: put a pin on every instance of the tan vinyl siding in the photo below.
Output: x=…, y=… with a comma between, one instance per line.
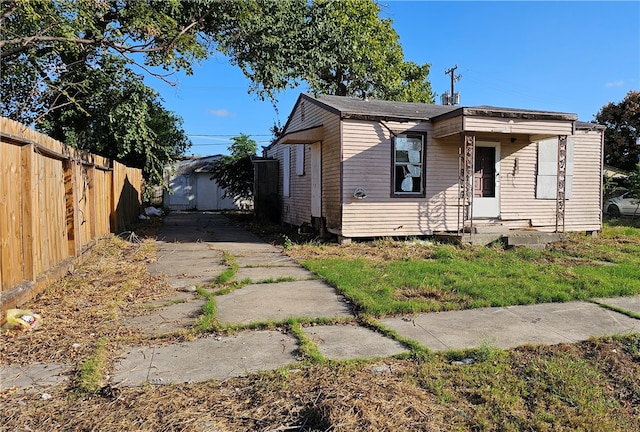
x=517, y=126
x=584, y=209
x=518, y=186
x=296, y=209
x=332, y=172
x=367, y=164
x=447, y=127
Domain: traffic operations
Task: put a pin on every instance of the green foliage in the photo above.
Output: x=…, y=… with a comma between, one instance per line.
x=42, y=41
x=360, y=54
x=66, y=66
x=338, y=47
x=622, y=121
x=117, y=116
x=234, y=173
x=634, y=182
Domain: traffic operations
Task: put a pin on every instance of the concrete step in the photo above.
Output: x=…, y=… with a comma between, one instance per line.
x=492, y=228
x=532, y=239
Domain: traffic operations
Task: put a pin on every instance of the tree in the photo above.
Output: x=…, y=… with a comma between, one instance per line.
x=119, y=118
x=622, y=121
x=362, y=54
x=66, y=64
x=234, y=172
x=338, y=47
x=41, y=41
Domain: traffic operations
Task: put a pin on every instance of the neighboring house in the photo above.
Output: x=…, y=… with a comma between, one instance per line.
x=192, y=188
x=367, y=168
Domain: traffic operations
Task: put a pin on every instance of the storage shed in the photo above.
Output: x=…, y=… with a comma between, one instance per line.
x=192, y=188
x=368, y=168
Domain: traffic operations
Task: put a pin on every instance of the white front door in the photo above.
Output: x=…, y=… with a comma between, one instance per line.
x=486, y=180
x=316, y=179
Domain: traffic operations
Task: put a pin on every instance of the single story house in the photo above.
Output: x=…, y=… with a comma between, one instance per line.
x=368, y=168
x=191, y=187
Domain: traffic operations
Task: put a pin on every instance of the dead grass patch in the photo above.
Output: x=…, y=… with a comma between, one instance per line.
x=107, y=283
x=430, y=294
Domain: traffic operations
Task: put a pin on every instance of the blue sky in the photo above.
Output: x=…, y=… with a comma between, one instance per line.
x=571, y=56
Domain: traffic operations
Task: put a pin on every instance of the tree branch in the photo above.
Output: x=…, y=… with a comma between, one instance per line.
x=8, y=13
x=161, y=77
x=31, y=41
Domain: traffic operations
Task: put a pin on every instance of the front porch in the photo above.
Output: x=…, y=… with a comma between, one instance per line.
x=511, y=233
x=508, y=238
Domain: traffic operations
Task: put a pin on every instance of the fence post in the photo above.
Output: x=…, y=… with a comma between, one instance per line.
x=27, y=194
x=71, y=208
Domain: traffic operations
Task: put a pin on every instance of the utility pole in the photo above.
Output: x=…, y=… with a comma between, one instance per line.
x=452, y=98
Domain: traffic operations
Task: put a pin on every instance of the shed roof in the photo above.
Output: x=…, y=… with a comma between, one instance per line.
x=197, y=164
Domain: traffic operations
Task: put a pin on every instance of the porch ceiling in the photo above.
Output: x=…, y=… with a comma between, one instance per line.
x=304, y=136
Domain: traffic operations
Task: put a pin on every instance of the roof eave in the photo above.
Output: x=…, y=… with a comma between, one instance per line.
x=382, y=117
x=502, y=113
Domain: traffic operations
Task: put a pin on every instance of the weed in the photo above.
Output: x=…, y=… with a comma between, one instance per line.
x=308, y=348
x=276, y=280
x=208, y=320
x=287, y=244
x=91, y=372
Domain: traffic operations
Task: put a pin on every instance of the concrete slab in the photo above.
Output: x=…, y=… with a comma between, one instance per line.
x=247, y=248
x=35, y=376
x=257, y=274
x=265, y=259
x=512, y=326
x=627, y=303
x=344, y=342
x=169, y=319
x=205, y=359
x=279, y=301
x=187, y=264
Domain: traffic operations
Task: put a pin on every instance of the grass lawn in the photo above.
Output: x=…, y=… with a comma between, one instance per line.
x=389, y=277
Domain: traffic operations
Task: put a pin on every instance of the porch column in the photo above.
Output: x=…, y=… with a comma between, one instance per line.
x=562, y=178
x=465, y=179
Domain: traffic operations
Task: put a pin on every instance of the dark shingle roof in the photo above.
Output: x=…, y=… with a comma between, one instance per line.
x=350, y=107
x=378, y=109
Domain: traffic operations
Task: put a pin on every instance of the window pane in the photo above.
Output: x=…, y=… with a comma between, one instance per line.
x=402, y=156
x=408, y=173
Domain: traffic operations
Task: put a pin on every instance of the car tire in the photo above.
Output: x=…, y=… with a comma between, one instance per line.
x=613, y=210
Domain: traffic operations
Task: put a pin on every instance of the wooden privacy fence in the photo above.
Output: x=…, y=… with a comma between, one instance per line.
x=55, y=201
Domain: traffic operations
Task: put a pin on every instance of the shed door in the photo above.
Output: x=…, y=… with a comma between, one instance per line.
x=316, y=179
x=486, y=180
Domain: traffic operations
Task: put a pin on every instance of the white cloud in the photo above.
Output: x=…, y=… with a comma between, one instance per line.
x=220, y=113
x=619, y=83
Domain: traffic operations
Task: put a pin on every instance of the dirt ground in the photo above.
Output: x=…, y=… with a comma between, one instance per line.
x=587, y=386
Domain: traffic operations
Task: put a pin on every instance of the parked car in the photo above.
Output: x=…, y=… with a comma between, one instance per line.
x=623, y=205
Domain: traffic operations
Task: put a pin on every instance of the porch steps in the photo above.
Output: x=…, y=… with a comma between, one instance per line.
x=497, y=226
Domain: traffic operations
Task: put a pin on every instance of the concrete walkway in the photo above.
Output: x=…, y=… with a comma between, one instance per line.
x=190, y=252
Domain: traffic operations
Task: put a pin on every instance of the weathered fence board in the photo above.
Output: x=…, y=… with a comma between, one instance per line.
x=55, y=202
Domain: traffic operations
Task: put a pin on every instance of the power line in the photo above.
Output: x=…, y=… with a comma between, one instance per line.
x=225, y=135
